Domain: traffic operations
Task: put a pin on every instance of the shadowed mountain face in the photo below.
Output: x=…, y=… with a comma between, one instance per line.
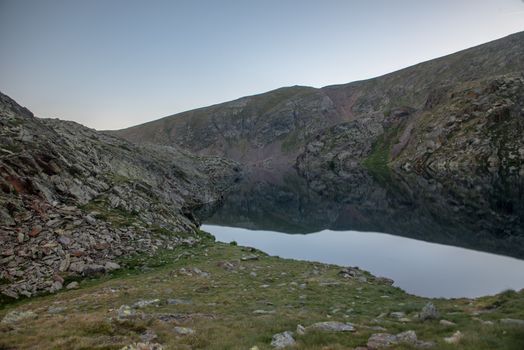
x=434, y=151
x=288, y=204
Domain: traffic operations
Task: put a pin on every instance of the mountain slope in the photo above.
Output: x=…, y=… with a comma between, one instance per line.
x=271, y=128
x=62, y=184
x=449, y=132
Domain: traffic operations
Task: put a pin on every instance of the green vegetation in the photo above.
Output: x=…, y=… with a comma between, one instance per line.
x=377, y=162
x=221, y=306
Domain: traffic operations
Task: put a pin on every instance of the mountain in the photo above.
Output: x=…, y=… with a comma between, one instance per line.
x=450, y=131
x=72, y=199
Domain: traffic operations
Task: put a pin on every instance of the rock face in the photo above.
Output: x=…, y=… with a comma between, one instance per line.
x=447, y=133
x=73, y=200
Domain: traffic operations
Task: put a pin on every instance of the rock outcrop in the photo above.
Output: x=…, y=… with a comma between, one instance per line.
x=73, y=200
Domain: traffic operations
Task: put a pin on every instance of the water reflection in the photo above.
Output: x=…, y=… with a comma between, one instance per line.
x=421, y=268
x=289, y=203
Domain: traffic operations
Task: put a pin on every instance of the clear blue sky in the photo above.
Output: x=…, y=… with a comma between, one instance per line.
x=115, y=63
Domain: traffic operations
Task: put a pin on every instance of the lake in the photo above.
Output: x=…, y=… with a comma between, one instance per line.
x=418, y=267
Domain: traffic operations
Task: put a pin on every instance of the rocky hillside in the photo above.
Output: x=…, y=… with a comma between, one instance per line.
x=273, y=127
x=73, y=200
x=447, y=132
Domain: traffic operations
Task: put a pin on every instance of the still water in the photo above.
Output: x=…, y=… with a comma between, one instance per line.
x=418, y=267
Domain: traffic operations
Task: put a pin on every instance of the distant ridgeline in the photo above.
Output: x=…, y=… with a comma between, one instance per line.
x=434, y=151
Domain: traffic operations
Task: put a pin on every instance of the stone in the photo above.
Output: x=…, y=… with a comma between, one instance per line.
x=55, y=287
x=17, y=316
x=397, y=314
x=381, y=340
x=143, y=346
x=144, y=303
x=409, y=337
x=511, y=322
x=331, y=326
x=111, y=266
x=72, y=285
x=125, y=312
x=264, y=312
x=35, y=231
x=249, y=257
x=455, y=338
x=282, y=340
x=183, y=330
x=56, y=309
x=429, y=312
x=301, y=330
x=447, y=323
x=148, y=336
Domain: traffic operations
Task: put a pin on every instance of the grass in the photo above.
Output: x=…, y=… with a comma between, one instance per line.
x=222, y=305
x=377, y=161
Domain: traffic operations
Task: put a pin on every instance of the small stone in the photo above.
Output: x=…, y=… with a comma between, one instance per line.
x=397, y=314
x=111, y=266
x=17, y=316
x=249, y=257
x=264, y=312
x=332, y=326
x=282, y=340
x=143, y=346
x=125, y=312
x=301, y=330
x=72, y=285
x=429, y=312
x=21, y=237
x=409, y=337
x=144, y=303
x=455, y=338
x=55, y=309
x=381, y=340
x=148, y=336
x=447, y=323
x=55, y=287
x=512, y=322
x=35, y=231
x=183, y=330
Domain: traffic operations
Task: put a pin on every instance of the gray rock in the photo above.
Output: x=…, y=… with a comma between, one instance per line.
x=56, y=309
x=17, y=316
x=144, y=303
x=183, y=330
x=447, y=323
x=381, y=340
x=512, y=322
x=249, y=257
x=429, y=312
x=282, y=340
x=148, y=336
x=111, y=266
x=455, y=338
x=125, y=312
x=331, y=326
x=397, y=314
x=409, y=337
x=73, y=285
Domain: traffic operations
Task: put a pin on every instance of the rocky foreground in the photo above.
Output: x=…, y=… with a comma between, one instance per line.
x=220, y=296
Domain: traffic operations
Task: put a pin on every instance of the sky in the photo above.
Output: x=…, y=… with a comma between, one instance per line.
x=111, y=64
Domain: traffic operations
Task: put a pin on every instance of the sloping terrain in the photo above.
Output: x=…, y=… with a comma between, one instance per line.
x=73, y=200
x=446, y=134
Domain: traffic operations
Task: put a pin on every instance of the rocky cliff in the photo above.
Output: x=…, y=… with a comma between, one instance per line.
x=73, y=200
x=446, y=134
